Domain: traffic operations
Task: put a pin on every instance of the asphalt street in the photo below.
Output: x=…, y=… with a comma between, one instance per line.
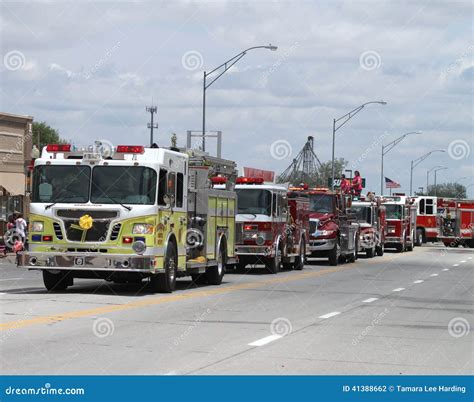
x=408, y=313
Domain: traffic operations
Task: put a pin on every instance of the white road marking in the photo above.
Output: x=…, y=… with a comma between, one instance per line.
x=372, y=299
x=1, y=293
x=265, y=340
x=419, y=281
x=398, y=289
x=463, y=261
x=469, y=258
x=455, y=265
x=434, y=275
x=446, y=269
x=329, y=315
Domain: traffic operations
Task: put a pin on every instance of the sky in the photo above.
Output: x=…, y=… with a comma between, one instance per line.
x=89, y=69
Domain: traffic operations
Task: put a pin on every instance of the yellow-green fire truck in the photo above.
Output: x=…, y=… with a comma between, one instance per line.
x=127, y=213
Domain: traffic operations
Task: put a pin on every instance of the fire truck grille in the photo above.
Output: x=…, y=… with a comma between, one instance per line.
x=313, y=226
x=239, y=235
x=97, y=233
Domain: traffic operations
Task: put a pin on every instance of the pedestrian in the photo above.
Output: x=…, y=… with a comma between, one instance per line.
x=11, y=222
x=357, y=183
x=345, y=185
x=20, y=227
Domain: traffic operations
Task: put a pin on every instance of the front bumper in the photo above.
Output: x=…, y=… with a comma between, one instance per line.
x=393, y=240
x=87, y=262
x=264, y=251
x=321, y=244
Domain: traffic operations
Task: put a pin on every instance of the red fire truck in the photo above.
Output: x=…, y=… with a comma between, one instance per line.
x=332, y=232
x=370, y=216
x=426, y=220
x=272, y=225
x=456, y=222
x=401, y=222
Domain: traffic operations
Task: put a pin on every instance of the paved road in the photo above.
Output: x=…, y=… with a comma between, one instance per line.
x=404, y=313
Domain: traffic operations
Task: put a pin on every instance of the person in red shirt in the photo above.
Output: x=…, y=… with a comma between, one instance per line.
x=357, y=183
x=345, y=185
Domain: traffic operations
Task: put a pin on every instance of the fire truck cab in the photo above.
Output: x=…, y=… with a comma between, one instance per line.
x=456, y=222
x=370, y=216
x=426, y=220
x=128, y=213
x=401, y=222
x=332, y=232
x=271, y=225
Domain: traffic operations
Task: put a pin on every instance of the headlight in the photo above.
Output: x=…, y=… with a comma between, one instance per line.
x=325, y=232
x=37, y=226
x=142, y=228
x=139, y=247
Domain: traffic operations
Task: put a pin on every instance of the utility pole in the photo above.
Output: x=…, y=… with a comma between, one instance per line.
x=151, y=125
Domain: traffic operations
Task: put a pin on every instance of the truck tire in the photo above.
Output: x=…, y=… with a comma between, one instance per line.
x=419, y=237
x=400, y=247
x=299, y=261
x=410, y=246
x=54, y=282
x=335, y=254
x=370, y=252
x=215, y=273
x=274, y=264
x=379, y=250
x=166, y=282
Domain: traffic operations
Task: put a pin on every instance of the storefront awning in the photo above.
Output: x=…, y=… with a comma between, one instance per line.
x=14, y=183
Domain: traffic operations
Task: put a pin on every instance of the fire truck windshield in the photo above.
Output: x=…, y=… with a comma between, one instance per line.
x=363, y=214
x=254, y=201
x=123, y=184
x=393, y=211
x=321, y=203
x=54, y=183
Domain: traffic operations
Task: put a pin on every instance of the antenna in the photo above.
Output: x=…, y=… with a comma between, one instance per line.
x=151, y=126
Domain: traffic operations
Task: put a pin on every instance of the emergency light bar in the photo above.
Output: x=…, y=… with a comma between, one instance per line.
x=249, y=180
x=218, y=180
x=58, y=148
x=130, y=149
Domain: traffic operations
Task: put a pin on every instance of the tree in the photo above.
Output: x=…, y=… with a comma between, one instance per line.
x=46, y=135
x=449, y=190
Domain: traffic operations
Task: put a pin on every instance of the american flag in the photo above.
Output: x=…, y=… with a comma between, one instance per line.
x=391, y=184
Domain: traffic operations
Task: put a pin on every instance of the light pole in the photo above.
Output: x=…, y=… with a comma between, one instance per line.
x=436, y=170
x=228, y=64
x=416, y=162
x=428, y=177
x=336, y=127
x=387, y=148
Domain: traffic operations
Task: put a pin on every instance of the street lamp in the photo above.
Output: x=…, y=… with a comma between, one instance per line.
x=387, y=148
x=336, y=127
x=441, y=168
x=416, y=162
x=227, y=65
x=428, y=176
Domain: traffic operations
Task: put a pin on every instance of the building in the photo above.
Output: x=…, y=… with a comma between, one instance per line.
x=16, y=135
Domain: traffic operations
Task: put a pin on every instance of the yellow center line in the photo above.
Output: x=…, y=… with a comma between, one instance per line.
x=171, y=298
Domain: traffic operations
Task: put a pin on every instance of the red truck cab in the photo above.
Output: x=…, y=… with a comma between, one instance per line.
x=456, y=222
x=427, y=229
x=401, y=222
x=272, y=225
